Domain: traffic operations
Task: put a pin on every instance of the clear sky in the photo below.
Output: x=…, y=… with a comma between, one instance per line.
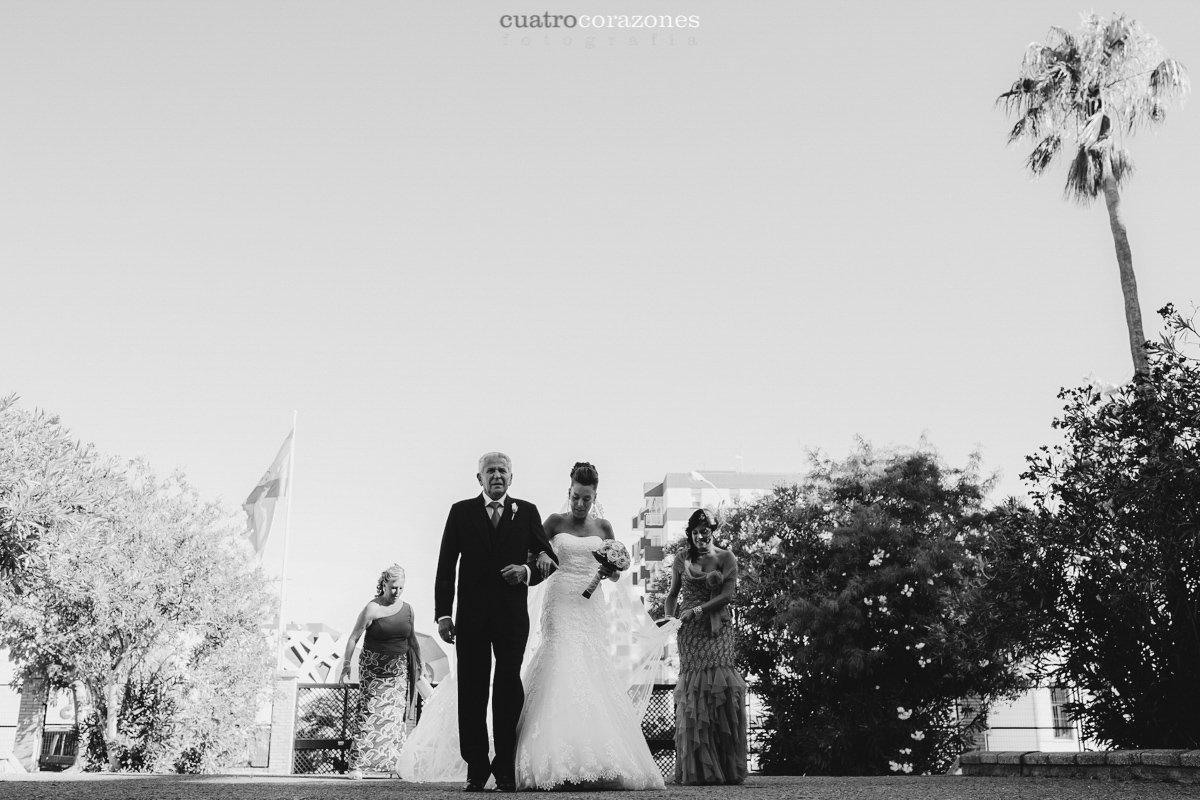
x=791, y=226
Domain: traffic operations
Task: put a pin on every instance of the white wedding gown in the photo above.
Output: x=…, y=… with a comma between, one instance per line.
x=579, y=724
x=587, y=676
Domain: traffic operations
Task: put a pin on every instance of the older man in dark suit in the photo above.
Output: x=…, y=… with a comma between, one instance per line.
x=499, y=548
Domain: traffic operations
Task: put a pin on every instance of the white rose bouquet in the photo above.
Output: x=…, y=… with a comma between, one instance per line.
x=612, y=555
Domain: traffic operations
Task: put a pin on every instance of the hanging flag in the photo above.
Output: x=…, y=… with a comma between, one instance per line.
x=260, y=505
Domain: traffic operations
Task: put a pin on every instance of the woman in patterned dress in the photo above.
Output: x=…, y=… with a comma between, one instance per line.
x=388, y=668
x=710, y=697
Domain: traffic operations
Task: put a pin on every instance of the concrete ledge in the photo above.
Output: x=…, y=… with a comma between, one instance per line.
x=1182, y=766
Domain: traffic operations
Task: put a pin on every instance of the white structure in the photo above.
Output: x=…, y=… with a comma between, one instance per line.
x=1034, y=721
x=10, y=705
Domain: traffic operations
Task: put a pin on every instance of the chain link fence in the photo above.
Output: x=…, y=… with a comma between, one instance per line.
x=325, y=711
x=324, y=716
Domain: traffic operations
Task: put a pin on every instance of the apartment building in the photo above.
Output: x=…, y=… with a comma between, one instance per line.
x=667, y=504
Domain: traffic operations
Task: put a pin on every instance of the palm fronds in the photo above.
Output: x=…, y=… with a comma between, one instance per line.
x=1083, y=176
x=1043, y=154
x=1169, y=79
x=1088, y=90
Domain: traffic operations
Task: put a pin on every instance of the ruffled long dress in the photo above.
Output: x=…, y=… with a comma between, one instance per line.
x=710, y=697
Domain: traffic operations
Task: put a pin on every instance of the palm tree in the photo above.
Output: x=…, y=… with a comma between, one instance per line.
x=1090, y=90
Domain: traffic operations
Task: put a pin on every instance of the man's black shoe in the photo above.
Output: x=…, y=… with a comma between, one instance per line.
x=474, y=786
x=506, y=786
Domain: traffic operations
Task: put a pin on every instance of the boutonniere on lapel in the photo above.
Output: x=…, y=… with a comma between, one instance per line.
x=513, y=508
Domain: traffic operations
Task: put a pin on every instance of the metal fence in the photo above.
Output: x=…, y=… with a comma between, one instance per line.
x=324, y=714
x=59, y=748
x=658, y=726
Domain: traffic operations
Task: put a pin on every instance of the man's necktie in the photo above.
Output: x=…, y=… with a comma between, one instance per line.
x=495, y=507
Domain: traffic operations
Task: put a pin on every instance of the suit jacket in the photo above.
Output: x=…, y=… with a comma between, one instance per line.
x=480, y=551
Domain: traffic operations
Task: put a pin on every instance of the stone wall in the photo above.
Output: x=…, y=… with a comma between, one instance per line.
x=1166, y=765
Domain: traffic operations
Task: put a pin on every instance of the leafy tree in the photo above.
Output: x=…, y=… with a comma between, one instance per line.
x=871, y=597
x=145, y=589
x=49, y=484
x=1119, y=502
x=1088, y=91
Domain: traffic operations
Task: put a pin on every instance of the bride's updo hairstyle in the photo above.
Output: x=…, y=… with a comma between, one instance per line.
x=585, y=474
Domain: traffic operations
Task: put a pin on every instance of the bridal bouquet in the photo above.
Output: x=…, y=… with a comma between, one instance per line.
x=613, y=555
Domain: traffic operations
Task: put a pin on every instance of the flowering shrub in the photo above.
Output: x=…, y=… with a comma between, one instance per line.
x=871, y=598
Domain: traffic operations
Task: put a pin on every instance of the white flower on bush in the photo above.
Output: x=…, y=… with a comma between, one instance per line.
x=921, y=662
x=905, y=751
x=868, y=601
x=882, y=600
x=919, y=645
x=907, y=591
x=877, y=559
x=917, y=735
x=907, y=767
x=984, y=662
x=893, y=766
x=903, y=713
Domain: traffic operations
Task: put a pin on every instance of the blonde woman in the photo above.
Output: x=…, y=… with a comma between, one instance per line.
x=388, y=669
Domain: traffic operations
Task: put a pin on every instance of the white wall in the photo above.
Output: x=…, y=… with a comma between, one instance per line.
x=10, y=702
x=1027, y=723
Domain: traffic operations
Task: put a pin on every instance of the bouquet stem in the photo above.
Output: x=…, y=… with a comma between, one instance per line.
x=591, y=587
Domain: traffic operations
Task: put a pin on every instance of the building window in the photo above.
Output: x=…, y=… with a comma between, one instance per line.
x=1064, y=726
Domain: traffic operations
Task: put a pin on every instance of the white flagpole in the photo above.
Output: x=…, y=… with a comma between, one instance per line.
x=287, y=526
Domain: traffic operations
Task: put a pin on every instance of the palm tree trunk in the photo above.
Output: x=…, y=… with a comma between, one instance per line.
x=1133, y=310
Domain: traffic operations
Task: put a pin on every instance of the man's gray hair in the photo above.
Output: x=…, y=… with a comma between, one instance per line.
x=494, y=456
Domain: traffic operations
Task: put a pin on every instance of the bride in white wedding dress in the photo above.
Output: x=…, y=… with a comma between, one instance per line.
x=587, y=675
